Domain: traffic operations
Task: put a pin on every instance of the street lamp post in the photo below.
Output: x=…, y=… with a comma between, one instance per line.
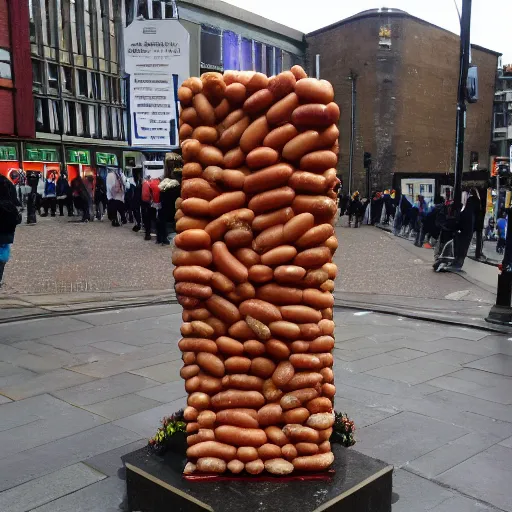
x=353, y=79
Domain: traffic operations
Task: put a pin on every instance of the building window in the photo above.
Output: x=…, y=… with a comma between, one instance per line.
x=32, y=21
x=104, y=123
x=246, y=62
x=53, y=114
x=50, y=20
x=500, y=117
x=53, y=76
x=279, y=61
x=70, y=118
x=37, y=75
x=211, y=49
x=93, y=132
x=82, y=82
x=38, y=114
x=67, y=79
x=80, y=130
x=5, y=64
x=79, y=26
x=230, y=52
x=269, y=51
x=113, y=116
x=96, y=86
x=258, y=57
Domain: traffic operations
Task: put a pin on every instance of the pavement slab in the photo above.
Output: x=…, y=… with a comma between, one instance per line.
x=48, y=488
x=163, y=372
x=121, y=406
x=104, y=389
x=166, y=392
x=498, y=363
x=405, y=437
x=486, y=476
x=35, y=462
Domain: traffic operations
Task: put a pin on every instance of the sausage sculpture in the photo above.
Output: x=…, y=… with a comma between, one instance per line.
x=254, y=271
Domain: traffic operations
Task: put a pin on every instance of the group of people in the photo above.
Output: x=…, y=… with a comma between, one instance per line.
x=427, y=224
x=146, y=202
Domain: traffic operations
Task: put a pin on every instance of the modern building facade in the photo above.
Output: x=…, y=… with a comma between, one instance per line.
x=73, y=69
x=502, y=125
x=406, y=72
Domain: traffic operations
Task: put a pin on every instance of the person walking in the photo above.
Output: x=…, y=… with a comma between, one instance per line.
x=467, y=222
x=91, y=189
x=81, y=197
x=9, y=219
x=64, y=197
x=100, y=197
x=137, y=203
x=50, y=196
x=423, y=211
x=501, y=226
x=115, y=195
x=169, y=192
x=147, y=214
x=354, y=209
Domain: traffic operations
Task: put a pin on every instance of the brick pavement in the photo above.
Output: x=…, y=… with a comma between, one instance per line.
x=77, y=392
x=57, y=257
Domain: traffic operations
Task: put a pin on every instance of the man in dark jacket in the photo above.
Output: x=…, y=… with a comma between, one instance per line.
x=9, y=219
x=64, y=196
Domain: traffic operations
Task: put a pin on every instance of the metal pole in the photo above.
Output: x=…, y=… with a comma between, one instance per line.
x=465, y=23
x=353, y=79
x=317, y=66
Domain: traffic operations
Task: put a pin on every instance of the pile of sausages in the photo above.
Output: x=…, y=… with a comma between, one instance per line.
x=254, y=270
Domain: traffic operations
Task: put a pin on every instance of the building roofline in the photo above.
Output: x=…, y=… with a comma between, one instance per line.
x=232, y=11
x=394, y=13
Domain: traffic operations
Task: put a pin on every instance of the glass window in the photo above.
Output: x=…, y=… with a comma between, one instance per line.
x=104, y=123
x=211, y=48
x=258, y=57
x=82, y=82
x=95, y=86
x=53, y=78
x=50, y=18
x=113, y=117
x=53, y=112
x=85, y=118
x=67, y=79
x=93, y=132
x=246, y=64
x=278, y=60
x=32, y=21
x=79, y=26
x=37, y=75
x=87, y=29
x=70, y=118
x=287, y=60
x=269, y=51
x=38, y=114
x=142, y=10
x=5, y=64
x=79, y=121
x=65, y=40
x=230, y=50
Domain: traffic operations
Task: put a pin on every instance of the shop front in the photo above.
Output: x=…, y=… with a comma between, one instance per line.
x=104, y=161
x=43, y=159
x=78, y=163
x=9, y=164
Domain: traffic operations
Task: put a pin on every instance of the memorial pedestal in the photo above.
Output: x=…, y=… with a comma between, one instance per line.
x=358, y=484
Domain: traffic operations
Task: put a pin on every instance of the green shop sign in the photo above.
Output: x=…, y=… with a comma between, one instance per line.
x=78, y=156
x=41, y=154
x=8, y=153
x=106, y=159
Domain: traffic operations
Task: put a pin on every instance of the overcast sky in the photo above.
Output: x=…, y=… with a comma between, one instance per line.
x=490, y=27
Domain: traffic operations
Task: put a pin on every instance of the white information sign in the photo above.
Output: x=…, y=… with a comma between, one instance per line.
x=157, y=60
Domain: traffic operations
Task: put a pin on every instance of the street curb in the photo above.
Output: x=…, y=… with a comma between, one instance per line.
x=338, y=303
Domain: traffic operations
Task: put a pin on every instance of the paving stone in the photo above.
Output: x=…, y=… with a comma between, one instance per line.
x=62, y=357
x=146, y=423
x=104, y=389
x=48, y=382
x=460, y=504
x=121, y=406
x=405, y=437
x=48, y=488
x=34, y=329
x=116, y=347
x=413, y=372
x=451, y=357
x=110, y=462
x=449, y=455
x=166, y=392
x=361, y=414
x=84, y=446
x=380, y=385
x=161, y=353
x=416, y=494
x=507, y=442
x=65, y=421
x=498, y=394
x=486, y=476
x=164, y=372
x=377, y=361
x=498, y=363
x=125, y=315
x=483, y=378
x=4, y=400
x=103, y=496
x=455, y=344
x=476, y=405
x=453, y=384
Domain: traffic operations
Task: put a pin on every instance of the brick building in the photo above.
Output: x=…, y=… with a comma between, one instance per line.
x=407, y=74
x=16, y=103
